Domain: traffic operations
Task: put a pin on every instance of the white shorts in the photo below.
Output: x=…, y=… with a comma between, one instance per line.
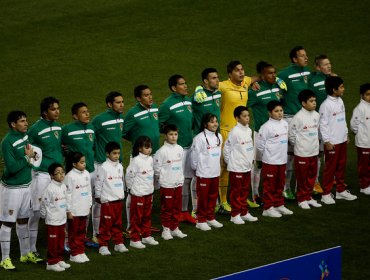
x=40, y=180
x=186, y=164
x=15, y=203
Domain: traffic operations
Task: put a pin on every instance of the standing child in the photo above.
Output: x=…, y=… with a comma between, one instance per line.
x=334, y=133
x=238, y=155
x=205, y=160
x=272, y=143
x=79, y=202
x=53, y=208
x=140, y=179
x=360, y=125
x=168, y=167
x=304, y=136
x=109, y=194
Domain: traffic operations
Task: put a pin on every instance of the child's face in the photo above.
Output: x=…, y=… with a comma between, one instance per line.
x=81, y=165
x=310, y=105
x=366, y=96
x=339, y=92
x=277, y=113
x=172, y=136
x=58, y=174
x=114, y=155
x=243, y=118
x=146, y=150
x=212, y=125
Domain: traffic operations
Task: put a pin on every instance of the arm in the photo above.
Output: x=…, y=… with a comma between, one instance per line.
x=293, y=130
x=45, y=202
x=157, y=163
x=261, y=139
x=164, y=115
x=355, y=120
x=99, y=183
x=69, y=187
x=12, y=163
x=195, y=152
x=130, y=174
x=128, y=125
x=227, y=147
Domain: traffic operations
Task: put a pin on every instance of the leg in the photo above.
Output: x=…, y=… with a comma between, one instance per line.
x=341, y=166
x=212, y=197
x=117, y=236
x=146, y=221
x=136, y=213
x=235, y=189
x=167, y=198
x=202, y=194
x=105, y=224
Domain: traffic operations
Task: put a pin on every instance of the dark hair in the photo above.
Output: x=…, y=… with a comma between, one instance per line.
x=172, y=81
x=273, y=104
x=231, y=65
x=293, y=52
x=320, y=57
x=53, y=166
x=111, y=96
x=75, y=107
x=305, y=94
x=261, y=66
x=46, y=103
x=364, y=88
x=332, y=83
x=169, y=127
x=139, y=90
x=141, y=141
x=14, y=116
x=71, y=158
x=207, y=117
x=110, y=146
x=238, y=111
x=206, y=72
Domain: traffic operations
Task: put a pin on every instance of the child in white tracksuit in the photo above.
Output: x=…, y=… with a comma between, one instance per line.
x=238, y=155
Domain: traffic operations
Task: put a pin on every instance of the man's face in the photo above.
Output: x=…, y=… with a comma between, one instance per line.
x=324, y=66
x=21, y=125
x=301, y=58
x=237, y=75
x=181, y=87
x=52, y=113
x=82, y=115
x=117, y=105
x=212, y=81
x=146, y=98
x=269, y=75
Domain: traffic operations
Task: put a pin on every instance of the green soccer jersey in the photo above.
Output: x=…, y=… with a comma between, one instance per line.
x=141, y=121
x=210, y=105
x=296, y=79
x=317, y=84
x=176, y=109
x=47, y=136
x=79, y=137
x=257, y=101
x=108, y=127
x=17, y=170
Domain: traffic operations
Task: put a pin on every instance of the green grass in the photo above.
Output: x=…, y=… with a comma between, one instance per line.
x=80, y=50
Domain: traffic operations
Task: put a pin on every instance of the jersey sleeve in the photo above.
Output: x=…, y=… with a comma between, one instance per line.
x=355, y=120
x=164, y=115
x=128, y=126
x=12, y=163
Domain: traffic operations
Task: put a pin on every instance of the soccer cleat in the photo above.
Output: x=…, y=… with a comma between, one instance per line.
x=327, y=199
x=137, y=244
x=203, y=226
x=194, y=214
x=249, y=218
x=31, y=257
x=178, y=233
x=346, y=195
x=288, y=194
x=304, y=205
x=150, y=241
x=55, y=267
x=126, y=234
x=215, y=224
x=313, y=203
x=103, y=250
x=252, y=204
x=91, y=243
x=63, y=264
x=258, y=200
x=166, y=233
x=271, y=212
x=95, y=239
x=283, y=210
x=121, y=248
x=365, y=190
x=186, y=217
x=78, y=258
x=237, y=220
x=66, y=248
x=224, y=208
x=317, y=188
x=217, y=208
x=7, y=264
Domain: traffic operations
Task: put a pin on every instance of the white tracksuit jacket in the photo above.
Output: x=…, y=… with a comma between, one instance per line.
x=140, y=175
x=53, y=206
x=360, y=124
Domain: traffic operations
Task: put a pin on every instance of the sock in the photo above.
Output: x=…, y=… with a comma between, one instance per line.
x=23, y=238
x=194, y=198
x=87, y=223
x=33, y=228
x=95, y=218
x=5, y=235
x=289, y=172
x=185, y=194
x=256, y=177
x=318, y=169
x=223, y=194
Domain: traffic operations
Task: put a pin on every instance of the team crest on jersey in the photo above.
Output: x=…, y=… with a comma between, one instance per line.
x=218, y=102
x=305, y=78
x=144, y=172
x=121, y=126
x=168, y=161
x=11, y=212
x=91, y=137
x=189, y=108
x=278, y=95
x=56, y=134
x=155, y=116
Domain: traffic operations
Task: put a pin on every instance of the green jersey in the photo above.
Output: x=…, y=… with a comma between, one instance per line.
x=47, y=136
x=79, y=137
x=210, y=105
x=141, y=121
x=317, y=85
x=176, y=109
x=17, y=170
x=108, y=127
x=257, y=101
x=296, y=79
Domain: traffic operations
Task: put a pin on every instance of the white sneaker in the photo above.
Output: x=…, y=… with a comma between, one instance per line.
x=283, y=210
x=85, y=257
x=249, y=218
x=77, y=258
x=150, y=241
x=120, y=248
x=237, y=220
x=215, y=224
x=178, y=233
x=304, y=205
x=271, y=212
x=365, y=190
x=166, y=233
x=137, y=244
x=313, y=203
x=346, y=195
x=55, y=267
x=203, y=226
x=63, y=264
x=104, y=251
x=327, y=199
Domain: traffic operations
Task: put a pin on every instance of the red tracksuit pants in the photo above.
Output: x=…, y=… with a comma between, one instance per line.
x=273, y=177
x=110, y=223
x=363, y=166
x=335, y=166
x=55, y=240
x=240, y=183
x=305, y=172
x=140, y=216
x=77, y=234
x=207, y=192
x=171, y=199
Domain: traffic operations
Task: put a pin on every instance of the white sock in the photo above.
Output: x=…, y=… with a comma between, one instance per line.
x=194, y=198
x=185, y=194
x=95, y=218
x=128, y=205
x=289, y=172
x=33, y=228
x=256, y=177
x=23, y=238
x=5, y=235
x=318, y=169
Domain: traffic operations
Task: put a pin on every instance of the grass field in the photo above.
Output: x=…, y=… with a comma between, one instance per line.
x=80, y=50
